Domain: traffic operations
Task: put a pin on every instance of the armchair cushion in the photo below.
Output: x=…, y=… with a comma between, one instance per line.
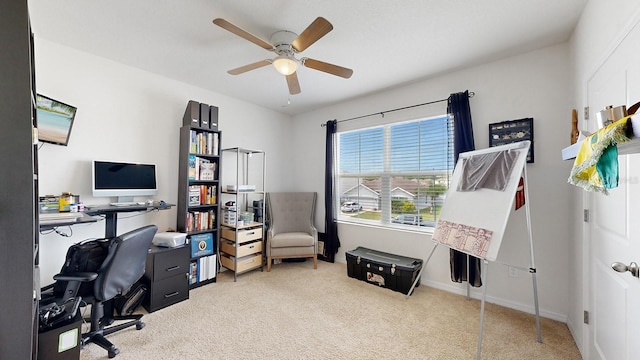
x=290, y=239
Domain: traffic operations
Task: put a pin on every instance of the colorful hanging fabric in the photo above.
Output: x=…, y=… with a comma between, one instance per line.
x=596, y=166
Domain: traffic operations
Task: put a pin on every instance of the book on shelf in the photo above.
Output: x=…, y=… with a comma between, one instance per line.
x=196, y=167
x=205, y=143
x=193, y=272
x=194, y=195
x=192, y=142
x=201, y=220
x=208, y=194
x=192, y=167
x=202, y=269
x=216, y=142
x=207, y=170
x=201, y=244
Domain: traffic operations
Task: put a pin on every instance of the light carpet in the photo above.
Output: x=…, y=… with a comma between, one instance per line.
x=295, y=312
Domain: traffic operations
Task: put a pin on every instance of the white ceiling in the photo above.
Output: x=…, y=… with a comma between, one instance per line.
x=386, y=43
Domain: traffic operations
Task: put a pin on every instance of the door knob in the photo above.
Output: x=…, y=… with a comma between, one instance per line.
x=632, y=268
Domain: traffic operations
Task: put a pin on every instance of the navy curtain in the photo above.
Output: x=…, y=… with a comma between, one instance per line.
x=331, y=240
x=458, y=107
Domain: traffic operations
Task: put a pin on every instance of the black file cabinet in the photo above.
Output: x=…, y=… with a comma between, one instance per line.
x=166, y=277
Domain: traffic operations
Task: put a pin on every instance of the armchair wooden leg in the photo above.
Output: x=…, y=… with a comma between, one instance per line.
x=315, y=261
x=268, y=263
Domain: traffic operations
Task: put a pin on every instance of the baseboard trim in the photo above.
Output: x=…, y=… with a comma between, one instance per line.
x=530, y=309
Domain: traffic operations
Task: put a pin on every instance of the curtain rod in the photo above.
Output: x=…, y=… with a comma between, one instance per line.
x=471, y=94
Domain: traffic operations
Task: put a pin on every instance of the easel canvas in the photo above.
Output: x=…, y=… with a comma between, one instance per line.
x=474, y=222
x=481, y=214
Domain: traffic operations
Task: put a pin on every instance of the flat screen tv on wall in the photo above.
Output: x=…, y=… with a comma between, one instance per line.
x=55, y=120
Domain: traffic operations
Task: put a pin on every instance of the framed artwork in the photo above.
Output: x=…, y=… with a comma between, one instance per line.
x=512, y=131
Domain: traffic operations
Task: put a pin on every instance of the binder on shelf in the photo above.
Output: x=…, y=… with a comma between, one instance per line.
x=202, y=269
x=212, y=267
x=192, y=114
x=204, y=116
x=213, y=117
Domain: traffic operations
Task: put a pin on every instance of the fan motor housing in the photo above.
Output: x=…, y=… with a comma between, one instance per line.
x=282, y=40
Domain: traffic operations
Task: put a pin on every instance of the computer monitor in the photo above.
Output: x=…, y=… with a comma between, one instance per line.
x=123, y=180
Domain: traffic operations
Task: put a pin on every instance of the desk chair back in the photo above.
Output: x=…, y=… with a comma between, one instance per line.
x=124, y=264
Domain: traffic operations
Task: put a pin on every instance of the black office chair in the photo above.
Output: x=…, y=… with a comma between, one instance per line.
x=122, y=267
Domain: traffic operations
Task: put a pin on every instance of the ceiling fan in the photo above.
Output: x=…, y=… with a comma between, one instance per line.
x=286, y=45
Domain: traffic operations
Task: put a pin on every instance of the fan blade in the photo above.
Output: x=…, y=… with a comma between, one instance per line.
x=326, y=67
x=243, y=69
x=243, y=34
x=318, y=28
x=294, y=85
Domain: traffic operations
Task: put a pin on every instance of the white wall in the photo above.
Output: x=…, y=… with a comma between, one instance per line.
x=592, y=41
x=132, y=115
x=535, y=84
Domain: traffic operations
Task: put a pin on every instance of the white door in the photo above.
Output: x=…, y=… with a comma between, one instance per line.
x=614, y=226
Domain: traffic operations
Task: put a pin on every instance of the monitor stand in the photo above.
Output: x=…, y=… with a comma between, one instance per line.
x=124, y=199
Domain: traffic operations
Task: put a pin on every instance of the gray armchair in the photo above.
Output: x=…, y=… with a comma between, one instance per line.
x=291, y=233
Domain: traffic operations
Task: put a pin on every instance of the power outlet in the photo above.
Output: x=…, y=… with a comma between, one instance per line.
x=513, y=272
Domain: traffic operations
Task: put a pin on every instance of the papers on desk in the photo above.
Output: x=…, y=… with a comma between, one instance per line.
x=56, y=217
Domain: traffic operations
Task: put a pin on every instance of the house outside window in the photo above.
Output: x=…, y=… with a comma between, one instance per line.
x=395, y=175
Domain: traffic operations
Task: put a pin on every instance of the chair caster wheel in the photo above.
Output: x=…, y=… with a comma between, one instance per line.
x=113, y=352
x=140, y=325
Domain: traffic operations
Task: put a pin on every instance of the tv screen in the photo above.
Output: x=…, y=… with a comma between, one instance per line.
x=55, y=120
x=123, y=179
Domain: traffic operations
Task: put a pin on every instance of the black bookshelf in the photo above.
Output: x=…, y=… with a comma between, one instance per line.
x=199, y=190
x=19, y=277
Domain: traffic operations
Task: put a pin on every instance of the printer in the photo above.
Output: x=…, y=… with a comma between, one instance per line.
x=169, y=239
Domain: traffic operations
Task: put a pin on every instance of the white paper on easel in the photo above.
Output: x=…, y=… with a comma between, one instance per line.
x=474, y=222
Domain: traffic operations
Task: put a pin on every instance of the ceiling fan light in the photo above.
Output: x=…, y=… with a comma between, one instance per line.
x=285, y=65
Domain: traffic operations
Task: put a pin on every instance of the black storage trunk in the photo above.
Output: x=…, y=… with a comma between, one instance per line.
x=391, y=271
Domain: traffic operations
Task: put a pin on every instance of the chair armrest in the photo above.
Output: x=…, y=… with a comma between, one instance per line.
x=79, y=276
x=313, y=231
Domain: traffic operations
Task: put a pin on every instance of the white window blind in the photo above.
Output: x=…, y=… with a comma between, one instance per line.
x=395, y=174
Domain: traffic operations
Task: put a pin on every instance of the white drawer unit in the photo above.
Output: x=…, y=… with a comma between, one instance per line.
x=242, y=231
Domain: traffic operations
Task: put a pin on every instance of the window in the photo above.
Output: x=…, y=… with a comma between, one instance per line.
x=396, y=174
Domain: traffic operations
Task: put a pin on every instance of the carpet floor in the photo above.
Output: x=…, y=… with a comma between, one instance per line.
x=295, y=312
